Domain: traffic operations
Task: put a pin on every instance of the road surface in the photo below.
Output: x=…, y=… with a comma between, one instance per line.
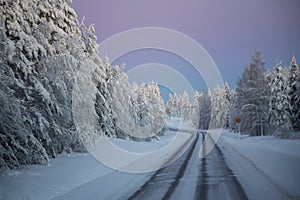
x=192, y=178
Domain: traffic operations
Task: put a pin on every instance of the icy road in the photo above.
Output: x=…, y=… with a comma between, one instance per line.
x=192, y=178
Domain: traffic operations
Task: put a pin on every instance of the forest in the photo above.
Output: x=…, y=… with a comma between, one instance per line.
x=266, y=102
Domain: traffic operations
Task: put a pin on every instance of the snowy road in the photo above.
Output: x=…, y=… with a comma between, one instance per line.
x=192, y=178
x=219, y=179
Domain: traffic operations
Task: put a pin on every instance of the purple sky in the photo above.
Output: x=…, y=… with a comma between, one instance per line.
x=229, y=30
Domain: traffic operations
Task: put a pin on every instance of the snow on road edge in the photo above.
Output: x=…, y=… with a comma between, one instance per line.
x=260, y=169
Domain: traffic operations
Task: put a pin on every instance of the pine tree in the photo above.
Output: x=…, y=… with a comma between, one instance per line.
x=83, y=32
x=205, y=109
x=297, y=106
x=147, y=111
x=143, y=108
x=280, y=99
x=227, y=94
x=233, y=111
x=42, y=51
x=185, y=106
x=120, y=89
x=103, y=102
x=196, y=110
x=293, y=77
x=156, y=108
x=173, y=106
x=169, y=106
x=176, y=108
x=218, y=110
x=252, y=103
x=201, y=110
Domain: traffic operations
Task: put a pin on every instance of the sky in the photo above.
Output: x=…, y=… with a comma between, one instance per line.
x=230, y=31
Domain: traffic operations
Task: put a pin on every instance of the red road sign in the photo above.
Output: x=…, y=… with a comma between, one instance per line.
x=238, y=120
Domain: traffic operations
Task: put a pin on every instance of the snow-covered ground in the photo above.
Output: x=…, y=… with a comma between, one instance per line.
x=177, y=123
x=81, y=173
x=267, y=167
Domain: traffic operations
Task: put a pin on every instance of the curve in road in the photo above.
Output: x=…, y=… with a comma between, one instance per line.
x=192, y=178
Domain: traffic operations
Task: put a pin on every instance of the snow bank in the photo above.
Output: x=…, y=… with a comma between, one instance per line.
x=179, y=124
x=45, y=182
x=144, y=147
x=266, y=166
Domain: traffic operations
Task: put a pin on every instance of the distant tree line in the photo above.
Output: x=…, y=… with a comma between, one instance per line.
x=266, y=102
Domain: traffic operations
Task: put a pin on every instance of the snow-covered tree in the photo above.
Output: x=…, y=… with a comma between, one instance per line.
x=156, y=109
x=196, y=110
x=293, y=78
x=142, y=109
x=179, y=106
x=297, y=106
x=218, y=108
x=84, y=32
x=92, y=45
x=120, y=88
x=147, y=110
x=201, y=110
x=173, y=106
x=103, y=102
x=280, y=99
x=228, y=98
x=185, y=106
x=233, y=111
x=169, y=106
x=41, y=51
x=252, y=100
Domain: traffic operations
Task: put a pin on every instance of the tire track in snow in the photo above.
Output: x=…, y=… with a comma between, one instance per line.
x=217, y=179
x=165, y=181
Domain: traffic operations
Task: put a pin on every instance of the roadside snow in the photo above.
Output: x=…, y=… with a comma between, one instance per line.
x=144, y=147
x=267, y=167
x=46, y=182
x=177, y=123
x=81, y=176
